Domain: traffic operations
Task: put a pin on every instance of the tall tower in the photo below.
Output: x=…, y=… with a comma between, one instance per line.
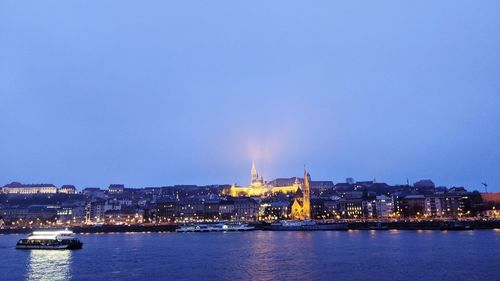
x=306, y=196
x=255, y=176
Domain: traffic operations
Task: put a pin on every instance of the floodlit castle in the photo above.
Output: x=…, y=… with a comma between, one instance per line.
x=258, y=187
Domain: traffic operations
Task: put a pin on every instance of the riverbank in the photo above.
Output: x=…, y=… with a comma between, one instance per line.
x=396, y=225
x=101, y=229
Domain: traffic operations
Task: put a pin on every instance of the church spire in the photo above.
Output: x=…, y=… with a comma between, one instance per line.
x=306, y=196
x=255, y=176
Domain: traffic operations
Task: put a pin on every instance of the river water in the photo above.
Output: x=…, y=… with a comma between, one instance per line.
x=262, y=255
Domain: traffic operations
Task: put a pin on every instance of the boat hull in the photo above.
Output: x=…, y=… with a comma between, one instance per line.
x=56, y=246
x=314, y=227
x=231, y=230
x=215, y=228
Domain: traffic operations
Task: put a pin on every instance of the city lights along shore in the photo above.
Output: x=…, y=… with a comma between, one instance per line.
x=296, y=203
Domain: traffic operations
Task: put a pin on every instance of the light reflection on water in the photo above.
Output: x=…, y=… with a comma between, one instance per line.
x=49, y=265
x=264, y=255
x=267, y=257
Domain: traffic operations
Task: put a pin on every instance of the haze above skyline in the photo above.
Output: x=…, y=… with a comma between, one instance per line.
x=151, y=94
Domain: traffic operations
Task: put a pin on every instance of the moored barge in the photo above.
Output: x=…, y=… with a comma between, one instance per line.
x=306, y=225
x=217, y=227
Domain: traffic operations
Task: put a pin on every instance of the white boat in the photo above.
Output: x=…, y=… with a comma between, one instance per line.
x=306, y=225
x=217, y=227
x=50, y=239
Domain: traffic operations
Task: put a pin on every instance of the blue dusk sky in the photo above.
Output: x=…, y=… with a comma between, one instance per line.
x=150, y=93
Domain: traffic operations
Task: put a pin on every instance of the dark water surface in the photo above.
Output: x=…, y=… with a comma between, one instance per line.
x=259, y=255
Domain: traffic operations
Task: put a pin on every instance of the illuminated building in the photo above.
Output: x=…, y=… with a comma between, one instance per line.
x=384, y=206
x=368, y=206
x=18, y=188
x=71, y=211
x=320, y=208
x=433, y=206
x=94, y=211
x=258, y=187
x=492, y=204
x=67, y=189
x=274, y=210
x=301, y=209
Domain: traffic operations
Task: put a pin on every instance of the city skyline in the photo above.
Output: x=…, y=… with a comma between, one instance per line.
x=254, y=176
x=164, y=93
